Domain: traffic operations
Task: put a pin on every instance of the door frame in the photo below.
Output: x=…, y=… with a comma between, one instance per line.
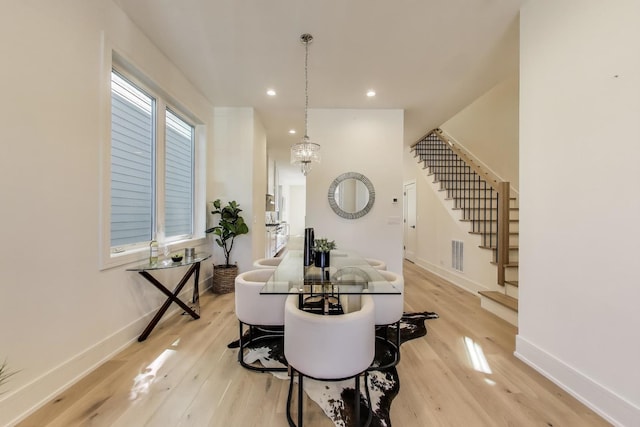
x=409, y=253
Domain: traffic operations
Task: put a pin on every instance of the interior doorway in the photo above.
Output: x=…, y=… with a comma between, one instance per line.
x=409, y=210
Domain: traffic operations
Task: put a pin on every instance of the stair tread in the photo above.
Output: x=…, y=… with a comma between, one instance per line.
x=477, y=232
x=501, y=298
x=511, y=264
x=458, y=208
x=514, y=233
x=486, y=220
x=511, y=248
x=477, y=189
x=511, y=208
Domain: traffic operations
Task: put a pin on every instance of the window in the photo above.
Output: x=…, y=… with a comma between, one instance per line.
x=178, y=206
x=152, y=169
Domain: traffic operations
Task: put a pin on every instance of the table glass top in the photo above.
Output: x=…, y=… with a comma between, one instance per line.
x=347, y=274
x=168, y=263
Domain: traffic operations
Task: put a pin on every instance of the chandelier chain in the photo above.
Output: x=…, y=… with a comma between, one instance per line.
x=306, y=41
x=305, y=152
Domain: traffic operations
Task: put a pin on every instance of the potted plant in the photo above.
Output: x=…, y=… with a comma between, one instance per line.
x=230, y=226
x=322, y=248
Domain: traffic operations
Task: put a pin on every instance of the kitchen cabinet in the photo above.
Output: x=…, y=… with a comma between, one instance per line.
x=277, y=238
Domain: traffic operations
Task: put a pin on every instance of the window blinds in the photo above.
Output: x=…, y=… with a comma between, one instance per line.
x=179, y=166
x=132, y=163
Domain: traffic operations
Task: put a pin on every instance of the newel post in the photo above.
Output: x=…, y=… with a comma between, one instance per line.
x=503, y=230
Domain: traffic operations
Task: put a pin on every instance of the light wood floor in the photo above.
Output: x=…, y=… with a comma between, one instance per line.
x=184, y=375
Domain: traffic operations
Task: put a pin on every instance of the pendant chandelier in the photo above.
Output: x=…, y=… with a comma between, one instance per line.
x=305, y=152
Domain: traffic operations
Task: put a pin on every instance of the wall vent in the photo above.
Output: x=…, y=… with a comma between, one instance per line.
x=457, y=249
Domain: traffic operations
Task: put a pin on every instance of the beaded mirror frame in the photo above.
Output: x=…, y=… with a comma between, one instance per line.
x=334, y=204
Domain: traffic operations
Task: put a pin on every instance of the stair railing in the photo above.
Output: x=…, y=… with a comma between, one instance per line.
x=474, y=190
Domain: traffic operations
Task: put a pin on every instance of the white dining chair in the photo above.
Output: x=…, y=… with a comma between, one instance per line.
x=328, y=348
x=389, y=310
x=267, y=262
x=256, y=311
x=376, y=263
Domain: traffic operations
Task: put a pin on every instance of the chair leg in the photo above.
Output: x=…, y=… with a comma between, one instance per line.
x=357, y=398
x=397, y=343
x=358, y=395
x=244, y=344
x=292, y=372
x=394, y=343
x=366, y=387
x=241, y=349
x=356, y=401
x=300, y=398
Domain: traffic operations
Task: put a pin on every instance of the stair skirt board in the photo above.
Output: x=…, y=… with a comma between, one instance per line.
x=499, y=310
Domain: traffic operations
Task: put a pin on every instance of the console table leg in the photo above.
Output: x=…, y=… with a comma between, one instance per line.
x=173, y=297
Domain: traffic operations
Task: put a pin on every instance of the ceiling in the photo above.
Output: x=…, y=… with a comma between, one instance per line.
x=428, y=57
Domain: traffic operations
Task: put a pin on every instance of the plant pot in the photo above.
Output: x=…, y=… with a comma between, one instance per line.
x=224, y=278
x=322, y=259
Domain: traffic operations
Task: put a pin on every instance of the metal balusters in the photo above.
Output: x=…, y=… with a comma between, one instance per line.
x=477, y=197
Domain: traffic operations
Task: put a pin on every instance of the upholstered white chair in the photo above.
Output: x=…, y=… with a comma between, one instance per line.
x=389, y=310
x=376, y=263
x=267, y=262
x=256, y=310
x=328, y=348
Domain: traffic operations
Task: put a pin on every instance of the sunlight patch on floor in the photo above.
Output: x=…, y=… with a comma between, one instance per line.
x=143, y=381
x=476, y=356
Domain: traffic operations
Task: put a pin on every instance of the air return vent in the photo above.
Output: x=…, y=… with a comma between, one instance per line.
x=457, y=249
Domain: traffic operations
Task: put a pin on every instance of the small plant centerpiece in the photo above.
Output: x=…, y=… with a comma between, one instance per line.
x=321, y=249
x=230, y=226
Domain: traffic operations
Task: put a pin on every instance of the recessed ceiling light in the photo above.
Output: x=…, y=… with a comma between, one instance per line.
x=271, y=92
x=292, y=131
x=371, y=93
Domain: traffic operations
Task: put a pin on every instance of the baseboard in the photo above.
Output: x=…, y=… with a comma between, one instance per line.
x=19, y=404
x=613, y=408
x=456, y=279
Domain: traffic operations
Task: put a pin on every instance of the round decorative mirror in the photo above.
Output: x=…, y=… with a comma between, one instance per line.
x=351, y=195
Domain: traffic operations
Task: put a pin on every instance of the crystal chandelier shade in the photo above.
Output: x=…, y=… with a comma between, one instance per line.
x=305, y=152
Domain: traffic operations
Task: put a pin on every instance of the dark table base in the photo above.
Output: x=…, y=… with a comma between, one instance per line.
x=194, y=311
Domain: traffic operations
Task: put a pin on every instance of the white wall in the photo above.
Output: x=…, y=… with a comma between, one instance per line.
x=579, y=175
x=60, y=315
x=239, y=172
x=259, y=189
x=368, y=142
x=488, y=128
x=296, y=201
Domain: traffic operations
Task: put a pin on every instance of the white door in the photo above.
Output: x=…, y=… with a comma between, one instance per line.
x=410, y=221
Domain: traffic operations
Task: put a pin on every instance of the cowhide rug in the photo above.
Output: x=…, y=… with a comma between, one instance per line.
x=336, y=398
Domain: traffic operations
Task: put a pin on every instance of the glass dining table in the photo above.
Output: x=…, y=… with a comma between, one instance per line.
x=348, y=274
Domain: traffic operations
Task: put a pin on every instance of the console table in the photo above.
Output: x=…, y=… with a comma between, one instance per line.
x=193, y=270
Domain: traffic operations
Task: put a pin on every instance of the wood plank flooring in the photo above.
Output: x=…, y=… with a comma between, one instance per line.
x=184, y=375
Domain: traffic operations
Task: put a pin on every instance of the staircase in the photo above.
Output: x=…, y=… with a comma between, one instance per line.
x=484, y=201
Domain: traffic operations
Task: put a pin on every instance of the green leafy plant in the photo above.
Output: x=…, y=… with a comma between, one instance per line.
x=230, y=226
x=323, y=245
x=4, y=374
